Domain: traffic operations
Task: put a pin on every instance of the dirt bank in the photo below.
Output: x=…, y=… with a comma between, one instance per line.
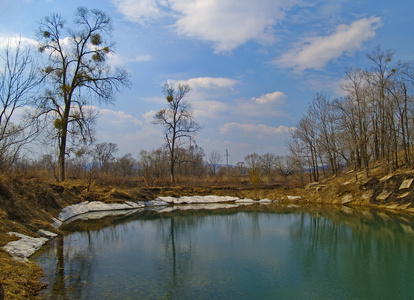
x=28, y=205
x=381, y=189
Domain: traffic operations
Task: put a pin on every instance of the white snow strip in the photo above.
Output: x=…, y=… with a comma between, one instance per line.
x=198, y=199
x=246, y=200
x=26, y=246
x=95, y=206
x=95, y=215
x=211, y=206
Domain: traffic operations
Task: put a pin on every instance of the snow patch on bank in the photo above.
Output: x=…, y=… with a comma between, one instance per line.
x=26, y=245
x=82, y=208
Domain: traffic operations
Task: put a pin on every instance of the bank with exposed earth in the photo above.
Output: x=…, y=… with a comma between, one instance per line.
x=34, y=209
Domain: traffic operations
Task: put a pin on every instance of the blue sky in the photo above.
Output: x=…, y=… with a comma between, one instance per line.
x=254, y=66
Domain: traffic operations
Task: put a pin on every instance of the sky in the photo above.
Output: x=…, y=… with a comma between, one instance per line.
x=253, y=66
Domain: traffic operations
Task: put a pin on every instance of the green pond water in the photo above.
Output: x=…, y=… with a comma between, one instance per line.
x=255, y=252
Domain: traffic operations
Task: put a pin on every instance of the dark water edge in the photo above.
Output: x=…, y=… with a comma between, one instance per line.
x=254, y=252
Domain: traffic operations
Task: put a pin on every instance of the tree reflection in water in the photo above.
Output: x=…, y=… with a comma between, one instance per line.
x=367, y=252
x=74, y=267
x=249, y=252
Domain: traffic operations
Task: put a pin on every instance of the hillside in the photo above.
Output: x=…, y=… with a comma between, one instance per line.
x=381, y=189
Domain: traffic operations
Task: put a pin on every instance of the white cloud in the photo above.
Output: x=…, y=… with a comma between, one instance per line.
x=203, y=92
x=13, y=41
x=128, y=132
x=118, y=119
x=209, y=108
x=230, y=23
x=227, y=24
x=140, y=10
x=252, y=130
x=266, y=105
x=115, y=59
x=204, y=89
x=211, y=83
x=149, y=116
x=316, y=52
x=210, y=87
x=275, y=97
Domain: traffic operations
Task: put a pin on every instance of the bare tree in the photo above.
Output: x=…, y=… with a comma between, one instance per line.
x=379, y=77
x=325, y=116
x=153, y=165
x=401, y=92
x=126, y=166
x=253, y=164
x=104, y=154
x=268, y=162
x=77, y=72
x=190, y=161
x=307, y=133
x=18, y=81
x=177, y=119
x=214, y=160
x=373, y=121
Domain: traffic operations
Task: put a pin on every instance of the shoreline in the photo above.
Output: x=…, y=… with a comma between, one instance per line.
x=26, y=246
x=30, y=205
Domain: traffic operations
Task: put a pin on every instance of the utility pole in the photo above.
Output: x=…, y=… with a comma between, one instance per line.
x=227, y=160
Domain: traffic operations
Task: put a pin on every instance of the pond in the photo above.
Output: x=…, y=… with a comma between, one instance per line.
x=253, y=252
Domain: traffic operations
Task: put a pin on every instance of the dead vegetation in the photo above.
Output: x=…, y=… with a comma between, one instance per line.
x=29, y=204
x=393, y=190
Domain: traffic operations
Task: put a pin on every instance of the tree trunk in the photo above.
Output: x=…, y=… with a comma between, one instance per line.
x=172, y=160
x=172, y=175
x=62, y=143
x=61, y=158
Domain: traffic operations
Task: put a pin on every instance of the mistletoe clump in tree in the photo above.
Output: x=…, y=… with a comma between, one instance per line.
x=177, y=119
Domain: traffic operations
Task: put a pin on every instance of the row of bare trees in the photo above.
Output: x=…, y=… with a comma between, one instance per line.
x=18, y=82
x=372, y=122
x=100, y=163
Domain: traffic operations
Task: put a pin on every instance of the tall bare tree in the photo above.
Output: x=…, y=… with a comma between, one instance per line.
x=77, y=72
x=379, y=76
x=18, y=81
x=177, y=119
x=214, y=161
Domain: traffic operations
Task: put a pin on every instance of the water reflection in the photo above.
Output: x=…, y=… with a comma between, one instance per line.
x=369, y=253
x=250, y=252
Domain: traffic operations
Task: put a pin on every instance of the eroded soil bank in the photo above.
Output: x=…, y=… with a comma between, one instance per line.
x=29, y=205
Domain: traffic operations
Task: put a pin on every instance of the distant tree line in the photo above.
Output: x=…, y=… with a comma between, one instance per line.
x=100, y=163
x=372, y=122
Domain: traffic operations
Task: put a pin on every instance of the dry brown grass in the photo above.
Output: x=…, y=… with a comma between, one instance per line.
x=28, y=203
x=20, y=280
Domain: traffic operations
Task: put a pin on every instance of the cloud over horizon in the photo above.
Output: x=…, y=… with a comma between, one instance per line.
x=253, y=130
x=226, y=24
x=315, y=52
